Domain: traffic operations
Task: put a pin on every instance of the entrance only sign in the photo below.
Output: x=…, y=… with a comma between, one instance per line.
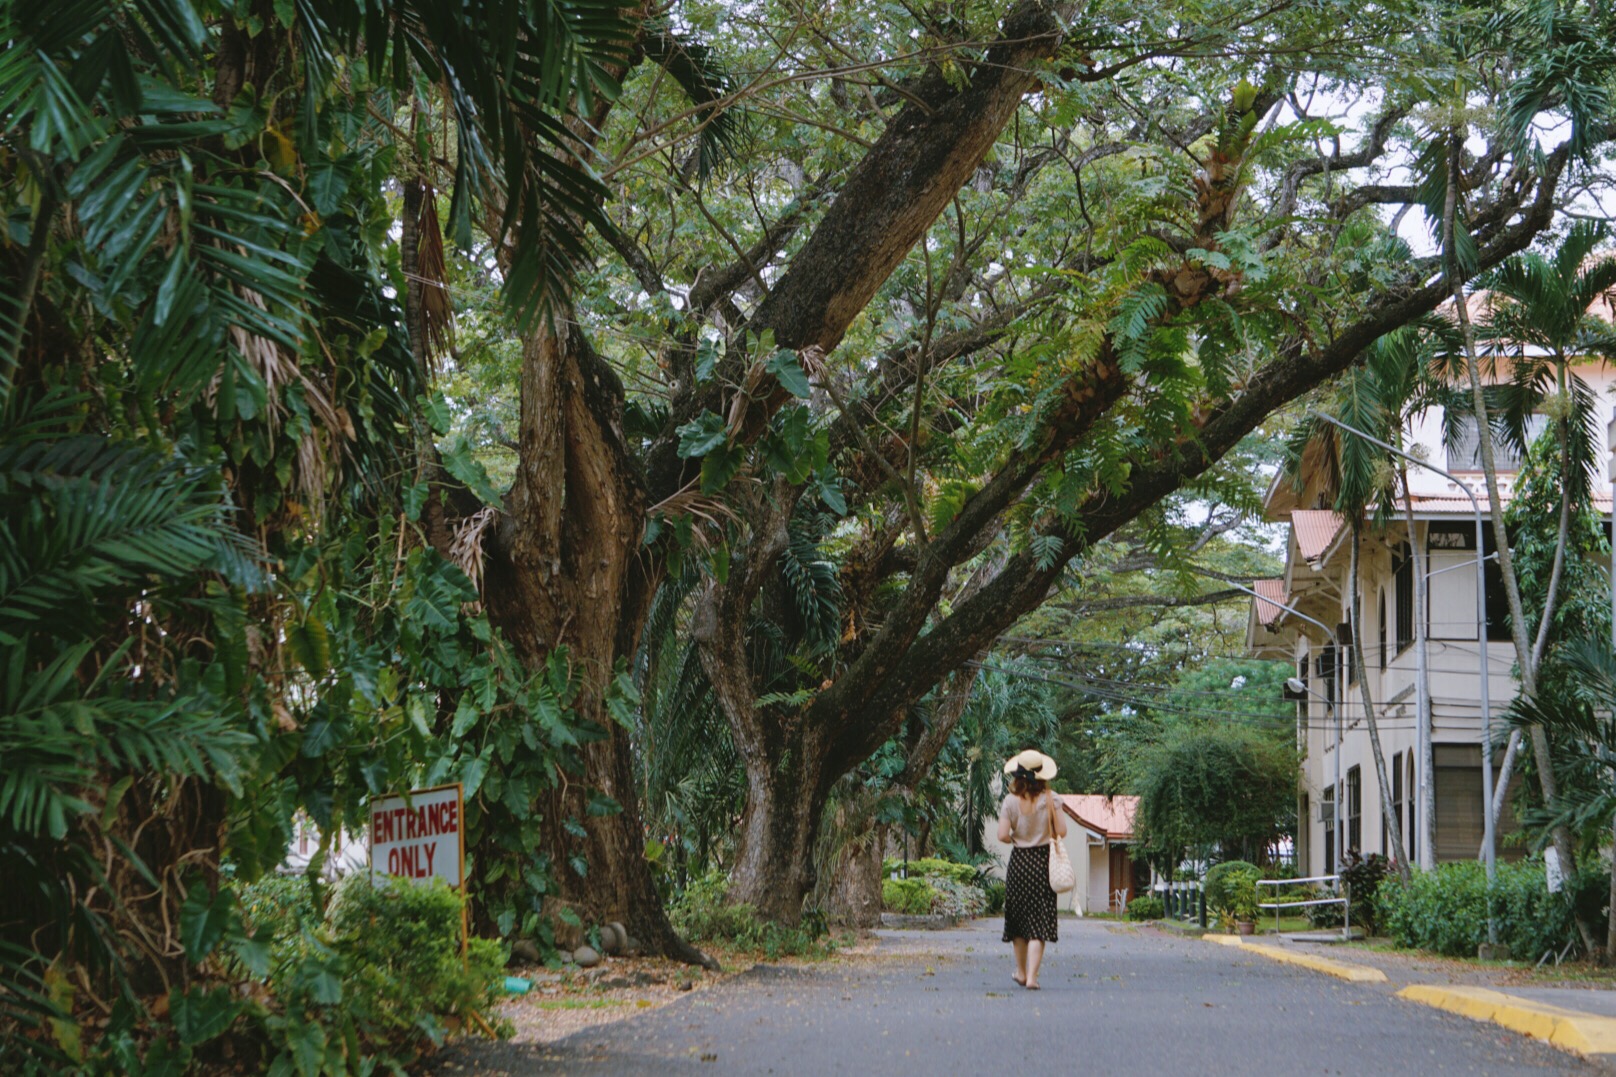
x=423, y=837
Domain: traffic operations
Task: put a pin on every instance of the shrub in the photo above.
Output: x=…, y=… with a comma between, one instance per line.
x=1322, y=915
x=935, y=868
x=993, y=890
x=912, y=896
x=1364, y=874
x=703, y=913
x=1446, y=910
x=1148, y=907
x=956, y=889
x=955, y=898
x=380, y=974
x=1216, y=883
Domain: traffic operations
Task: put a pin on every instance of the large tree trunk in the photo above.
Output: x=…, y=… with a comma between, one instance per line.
x=786, y=792
x=851, y=896
x=564, y=571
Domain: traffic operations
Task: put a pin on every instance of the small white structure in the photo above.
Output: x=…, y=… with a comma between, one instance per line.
x=347, y=853
x=1100, y=841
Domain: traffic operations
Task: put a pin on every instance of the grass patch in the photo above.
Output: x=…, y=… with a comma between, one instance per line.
x=1287, y=925
x=738, y=954
x=582, y=1003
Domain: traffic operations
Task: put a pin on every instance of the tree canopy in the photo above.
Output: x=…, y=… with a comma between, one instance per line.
x=510, y=392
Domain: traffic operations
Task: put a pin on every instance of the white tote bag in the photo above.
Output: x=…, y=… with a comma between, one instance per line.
x=1061, y=876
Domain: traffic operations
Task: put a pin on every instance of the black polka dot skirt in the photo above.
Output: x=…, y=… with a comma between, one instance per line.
x=1029, y=903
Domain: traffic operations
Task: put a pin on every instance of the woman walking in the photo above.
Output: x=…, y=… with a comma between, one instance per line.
x=1028, y=821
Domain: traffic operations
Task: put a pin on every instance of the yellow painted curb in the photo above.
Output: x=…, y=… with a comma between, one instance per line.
x=1341, y=970
x=1570, y=1030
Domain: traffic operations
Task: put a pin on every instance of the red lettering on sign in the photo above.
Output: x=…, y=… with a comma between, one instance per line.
x=431, y=853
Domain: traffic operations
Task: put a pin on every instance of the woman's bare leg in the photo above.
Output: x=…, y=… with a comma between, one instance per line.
x=1021, y=961
x=1035, y=957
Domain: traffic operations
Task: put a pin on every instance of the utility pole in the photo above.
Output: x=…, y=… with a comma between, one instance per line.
x=1489, y=853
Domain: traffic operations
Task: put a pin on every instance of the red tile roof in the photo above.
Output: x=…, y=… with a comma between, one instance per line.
x=1315, y=530
x=1461, y=505
x=1274, y=592
x=1110, y=816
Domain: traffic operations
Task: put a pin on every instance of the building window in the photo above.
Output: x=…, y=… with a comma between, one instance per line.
x=1403, y=575
x=1464, y=452
x=1325, y=666
x=1397, y=805
x=1454, y=536
x=1327, y=814
x=1381, y=639
x=1354, y=810
x=1411, y=828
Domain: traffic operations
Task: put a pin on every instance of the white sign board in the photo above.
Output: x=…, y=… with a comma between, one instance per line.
x=419, y=837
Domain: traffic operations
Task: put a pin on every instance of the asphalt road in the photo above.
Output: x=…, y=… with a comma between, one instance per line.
x=1115, y=1000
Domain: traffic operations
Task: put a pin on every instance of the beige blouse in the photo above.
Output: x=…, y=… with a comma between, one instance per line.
x=1022, y=826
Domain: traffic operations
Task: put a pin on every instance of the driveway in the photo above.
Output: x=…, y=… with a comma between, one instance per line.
x=1116, y=1000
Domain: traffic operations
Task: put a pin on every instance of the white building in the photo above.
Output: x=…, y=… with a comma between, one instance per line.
x=1316, y=584
x=1100, y=841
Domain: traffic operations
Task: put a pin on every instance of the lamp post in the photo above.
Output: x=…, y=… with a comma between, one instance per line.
x=1335, y=643
x=1489, y=839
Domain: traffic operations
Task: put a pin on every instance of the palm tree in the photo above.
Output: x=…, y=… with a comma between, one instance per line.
x=1374, y=397
x=1541, y=321
x=202, y=377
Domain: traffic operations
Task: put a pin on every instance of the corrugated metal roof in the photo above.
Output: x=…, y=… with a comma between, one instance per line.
x=1111, y=816
x=1274, y=591
x=1460, y=506
x=1315, y=530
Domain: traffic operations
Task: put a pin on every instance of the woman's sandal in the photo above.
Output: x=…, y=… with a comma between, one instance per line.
x=1019, y=981
x=1032, y=987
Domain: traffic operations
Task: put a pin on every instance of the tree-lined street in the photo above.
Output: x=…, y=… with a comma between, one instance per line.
x=1116, y=999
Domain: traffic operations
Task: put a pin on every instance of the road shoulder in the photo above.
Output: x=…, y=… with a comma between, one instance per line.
x=1588, y=1034
x=1591, y=1035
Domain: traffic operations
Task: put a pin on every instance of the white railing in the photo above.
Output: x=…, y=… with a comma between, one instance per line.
x=1343, y=899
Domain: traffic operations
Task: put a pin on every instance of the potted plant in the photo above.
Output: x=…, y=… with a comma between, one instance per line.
x=1243, y=901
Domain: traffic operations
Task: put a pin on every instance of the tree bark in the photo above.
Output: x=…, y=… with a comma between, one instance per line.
x=564, y=571
x=1523, y=649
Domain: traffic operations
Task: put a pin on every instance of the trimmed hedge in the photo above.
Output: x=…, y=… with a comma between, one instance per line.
x=914, y=896
x=933, y=866
x=1218, y=885
x=1148, y=907
x=1445, y=910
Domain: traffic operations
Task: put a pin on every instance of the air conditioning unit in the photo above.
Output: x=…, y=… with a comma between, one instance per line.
x=1326, y=811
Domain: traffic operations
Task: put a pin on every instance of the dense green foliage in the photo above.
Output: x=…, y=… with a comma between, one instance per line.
x=1147, y=907
x=380, y=975
x=936, y=886
x=252, y=491
x=1225, y=787
x=1445, y=911
x=914, y=895
x=216, y=605
x=933, y=866
x=703, y=913
x=1363, y=877
x=1217, y=884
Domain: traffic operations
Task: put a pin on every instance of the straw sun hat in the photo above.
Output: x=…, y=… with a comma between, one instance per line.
x=1034, y=764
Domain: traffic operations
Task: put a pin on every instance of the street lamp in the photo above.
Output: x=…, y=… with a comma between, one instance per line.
x=1489, y=839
